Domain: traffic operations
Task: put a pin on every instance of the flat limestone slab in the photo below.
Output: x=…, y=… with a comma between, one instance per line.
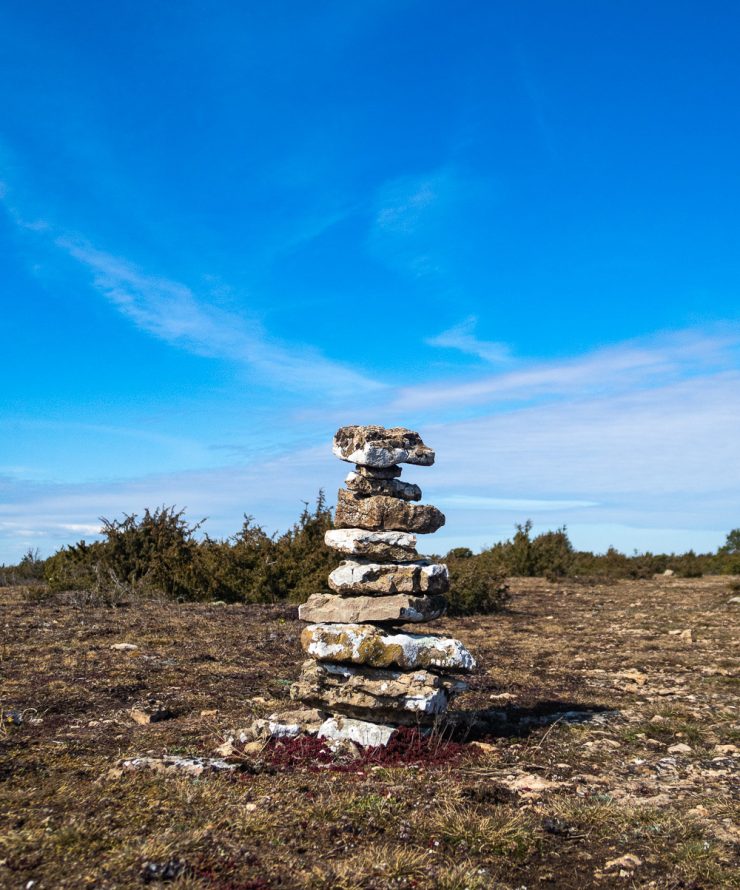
x=365, y=486
x=394, y=546
x=376, y=446
x=399, y=609
x=388, y=578
x=382, y=513
x=370, y=693
x=364, y=644
x=362, y=732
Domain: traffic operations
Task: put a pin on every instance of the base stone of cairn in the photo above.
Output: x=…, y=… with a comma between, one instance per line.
x=363, y=672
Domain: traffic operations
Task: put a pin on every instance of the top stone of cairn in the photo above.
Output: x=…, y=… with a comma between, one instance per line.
x=376, y=446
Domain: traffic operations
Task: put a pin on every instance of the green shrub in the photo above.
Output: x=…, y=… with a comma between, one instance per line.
x=302, y=558
x=477, y=584
x=75, y=567
x=30, y=570
x=241, y=569
x=613, y=565
x=519, y=552
x=689, y=565
x=460, y=553
x=728, y=556
x=156, y=554
x=552, y=554
x=549, y=554
x=159, y=554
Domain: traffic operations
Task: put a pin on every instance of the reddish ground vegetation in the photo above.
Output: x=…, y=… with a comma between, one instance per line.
x=407, y=746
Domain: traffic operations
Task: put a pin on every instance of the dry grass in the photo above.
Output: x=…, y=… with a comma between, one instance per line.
x=581, y=692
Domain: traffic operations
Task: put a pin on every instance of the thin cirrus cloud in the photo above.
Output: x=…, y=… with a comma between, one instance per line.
x=170, y=311
x=635, y=452
x=637, y=364
x=462, y=338
x=653, y=466
x=632, y=466
x=478, y=502
x=417, y=219
x=399, y=235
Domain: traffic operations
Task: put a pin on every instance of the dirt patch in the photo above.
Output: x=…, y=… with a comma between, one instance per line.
x=597, y=747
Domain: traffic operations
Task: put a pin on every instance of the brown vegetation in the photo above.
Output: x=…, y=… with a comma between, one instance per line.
x=566, y=778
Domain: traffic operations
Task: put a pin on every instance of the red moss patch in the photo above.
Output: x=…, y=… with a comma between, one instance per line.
x=303, y=751
x=407, y=746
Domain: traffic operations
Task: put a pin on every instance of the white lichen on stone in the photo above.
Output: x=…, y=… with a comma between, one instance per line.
x=353, y=576
x=365, y=644
x=362, y=732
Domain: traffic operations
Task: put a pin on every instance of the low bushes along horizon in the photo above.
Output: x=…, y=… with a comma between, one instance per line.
x=161, y=554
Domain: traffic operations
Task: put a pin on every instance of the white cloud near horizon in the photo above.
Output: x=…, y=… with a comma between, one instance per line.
x=653, y=467
x=476, y=502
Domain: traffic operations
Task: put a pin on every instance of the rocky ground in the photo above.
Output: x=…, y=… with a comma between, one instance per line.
x=603, y=753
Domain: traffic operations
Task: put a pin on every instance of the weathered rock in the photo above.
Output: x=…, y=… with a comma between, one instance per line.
x=289, y=724
x=381, y=513
x=365, y=486
x=371, y=646
x=627, y=863
x=387, y=578
x=188, y=766
x=362, y=732
x=151, y=711
x=376, y=446
x=378, y=472
x=395, y=546
x=285, y=724
x=680, y=748
x=399, y=609
x=397, y=696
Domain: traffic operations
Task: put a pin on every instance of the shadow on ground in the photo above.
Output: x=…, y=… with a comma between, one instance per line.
x=519, y=722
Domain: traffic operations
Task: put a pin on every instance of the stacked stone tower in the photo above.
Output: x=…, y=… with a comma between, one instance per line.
x=363, y=671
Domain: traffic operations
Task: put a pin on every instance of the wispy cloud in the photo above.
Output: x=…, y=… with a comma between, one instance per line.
x=81, y=528
x=653, y=467
x=523, y=505
x=647, y=362
x=462, y=337
x=170, y=311
x=272, y=489
x=414, y=220
x=638, y=452
x=405, y=201
x=173, y=312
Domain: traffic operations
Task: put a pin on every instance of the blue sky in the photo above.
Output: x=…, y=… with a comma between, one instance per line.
x=227, y=229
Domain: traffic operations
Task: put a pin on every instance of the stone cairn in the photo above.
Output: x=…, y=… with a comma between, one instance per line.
x=364, y=675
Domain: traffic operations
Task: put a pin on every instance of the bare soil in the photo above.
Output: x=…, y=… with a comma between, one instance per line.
x=565, y=777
